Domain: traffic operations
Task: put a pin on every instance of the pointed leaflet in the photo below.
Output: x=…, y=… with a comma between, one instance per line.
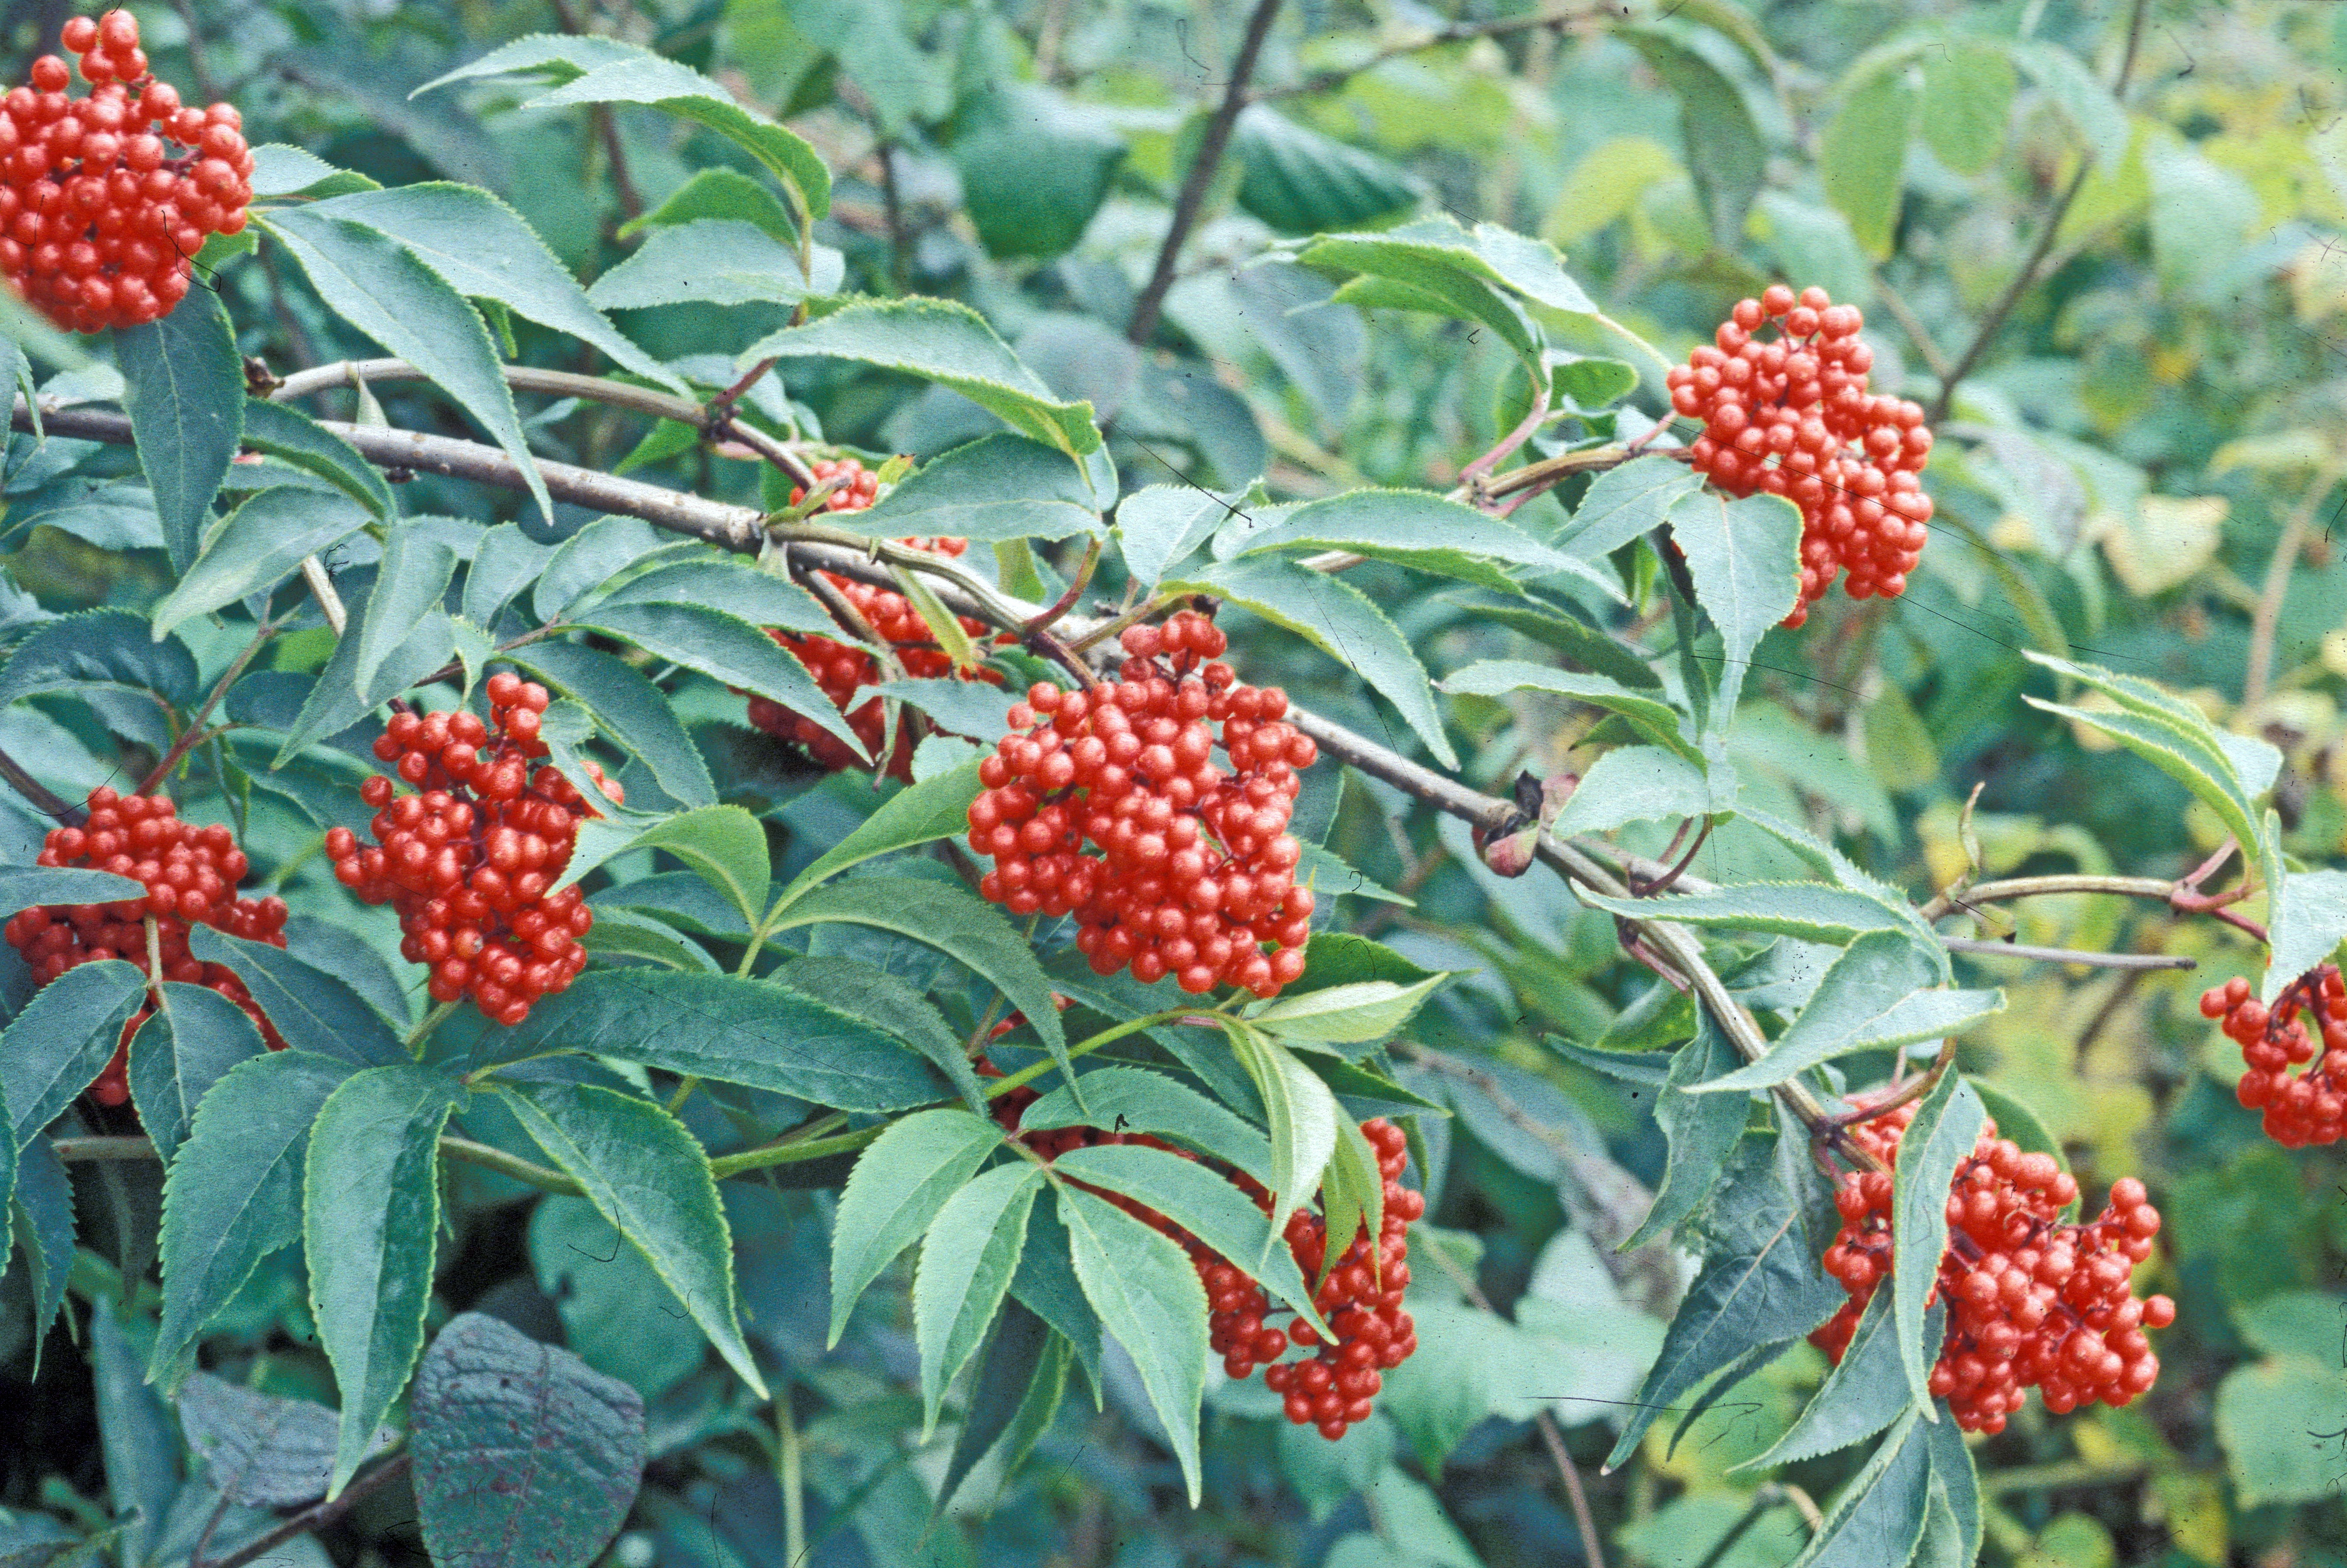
x=41, y=1216
x=1634, y=783
x=371, y=1203
x=762, y=1034
x=1803, y=909
x=935, y=807
x=1872, y=995
x=1953, y=1469
x=900, y=1182
x=1209, y=1207
x=954, y=922
x=337, y=701
x=1745, y=559
x=255, y=548
x=1645, y=712
x=187, y=1045
x=947, y=343
x=234, y=1192
x=725, y=648
x=997, y=488
x=1358, y=1013
x=715, y=262
x=1879, y=1517
x=526, y=1457
x=967, y=1259
x=1352, y=1201
x=1864, y=1393
x=893, y=1005
x=1137, y=1100
x=414, y=573
x=1414, y=529
x=1016, y=1392
x=1702, y=1130
x=1341, y=620
x=626, y=706
x=136, y=1439
x=1726, y=156
x=724, y=844
x=725, y=583
x=1303, y=1117
x=99, y=648
x=314, y=1010
x=2309, y=921
x=1159, y=525
x=292, y=436
x=1046, y=1285
x=645, y=1174
x=28, y=887
x=482, y=248
x=1625, y=503
x=1946, y=1126
x=183, y=387
x=56, y=1047
x=1757, y=1286
x=380, y=287
x=1148, y=1296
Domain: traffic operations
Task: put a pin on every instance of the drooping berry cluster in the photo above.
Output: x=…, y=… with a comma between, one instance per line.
x=843, y=669
x=1792, y=416
x=190, y=874
x=1336, y=1386
x=2030, y=1301
x=2307, y=1024
x=99, y=219
x=467, y=861
x=1190, y=869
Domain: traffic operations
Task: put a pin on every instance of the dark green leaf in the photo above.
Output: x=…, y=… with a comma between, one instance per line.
x=889, y=1003
x=1702, y=1130
x=187, y=1045
x=717, y=193
x=1301, y=182
x=371, y=1203
x=385, y=290
x=1047, y=1285
x=41, y=1216
x=626, y=707
x=901, y=1180
x=761, y=1033
x=1136, y=1099
x=935, y=807
x=525, y=1456
x=1865, y=1393
x=100, y=648
x=234, y=1192
x=183, y=387
x=1034, y=168
x=135, y=1433
x=1862, y=151
x=1018, y=1390
x=508, y=561
x=1745, y=559
x=645, y=1174
x=1879, y=1517
x=1875, y=994
x=257, y=547
x=725, y=649
x=1148, y=1296
x=716, y=262
x=292, y=436
x=414, y=574
x=56, y=1047
x=314, y=1010
x=743, y=591
x=997, y=487
x=1649, y=716
x=1417, y=530
x=1723, y=149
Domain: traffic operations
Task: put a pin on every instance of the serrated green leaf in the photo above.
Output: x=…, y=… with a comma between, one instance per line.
x=630, y=709
x=1415, y=528
x=255, y=548
x=1302, y=182
x=1137, y=1100
x=1702, y=1131
x=1351, y=1014
x=1803, y=909
x=901, y=1180
x=292, y=436
x=314, y=1010
x=183, y=387
x=724, y=844
x=1650, y=716
x=1147, y=1296
x=187, y=1045
x=733, y=586
x=935, y=807
x=383, y=289
x=1302, y=1113
x=416, y=571
x=725, y=649
x=1341, y=621
x=56, y=1047
x=1723, y=149
x=949, y=344
x=233, y=1194
x=1863, y=149
x=1745, y=559
x=967, y=1259
x=101, y=647
x=1018, y=1390
x=1946, y=1126
x=1879, y=1517
x=646, y=1175
x=1634, y=783
x=1876, y=993
x=1575, y=639
x=715, y=262
x=1865, y=1393
x=371, y=1204
x=718, y=192
x=41, y=1217
x=1046, y=1285
x=761, y=1033
x=997, y=487
x=2308, y=922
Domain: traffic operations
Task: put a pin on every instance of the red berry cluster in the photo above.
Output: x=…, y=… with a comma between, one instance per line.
x=843, y=669
x=190, y=874
x=1194, y=868
x=467, y=862
x=1336, y=1386
x=1792, y=416
x=99, y=221
x=2030, y=1301
x=2307, y=1023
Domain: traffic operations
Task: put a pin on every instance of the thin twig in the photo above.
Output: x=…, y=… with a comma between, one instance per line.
x=2267, y=619
x=322, y=1513
x=2028, y=276
x=2068, y=955
x=1193, y=197
x=606, y=125
x=44, y=799
x=194, y=732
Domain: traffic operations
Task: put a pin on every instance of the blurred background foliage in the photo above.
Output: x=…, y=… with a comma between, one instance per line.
x=2141, y=466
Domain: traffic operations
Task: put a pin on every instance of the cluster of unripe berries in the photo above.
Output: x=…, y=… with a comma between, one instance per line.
x=2307, y=1024
x=1790, y=415
x=843, y=669
x=99, y=218
x=1106, y=803
x=190, y=874
x=1336, y=1385
x=467, y=860
x=2032, y=1301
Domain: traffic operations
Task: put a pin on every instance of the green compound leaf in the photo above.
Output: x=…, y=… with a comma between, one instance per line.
x=968, y=1260
x=1148, y=1296
x=187, y=1045
x=183, y=387
x=63, y=1040
x=646, y=1175
x=900, y=1182
x=1946, y=1126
